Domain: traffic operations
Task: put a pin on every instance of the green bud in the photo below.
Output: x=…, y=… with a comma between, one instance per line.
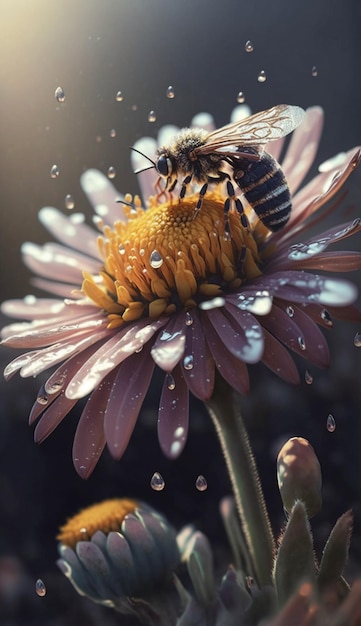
x=299, y=475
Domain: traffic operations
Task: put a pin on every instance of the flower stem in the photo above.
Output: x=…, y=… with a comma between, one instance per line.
x=224, y=410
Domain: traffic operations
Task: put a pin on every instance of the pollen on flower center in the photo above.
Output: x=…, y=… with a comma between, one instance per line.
x=171, y=257
x=106, y=516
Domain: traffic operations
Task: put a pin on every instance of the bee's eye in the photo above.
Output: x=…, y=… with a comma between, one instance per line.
x=164, y=166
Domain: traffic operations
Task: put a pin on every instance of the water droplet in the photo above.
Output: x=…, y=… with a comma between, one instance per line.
x=189, y=319
x=357, y=340
x=157, y=482
x=69, y=202
x=308, y=377
x=188, y=362
x=301, y=343
x=111, y=172
x=42, y=399
x=326, y=317
x=59, y=94
x=121, y=249
x=201, y=483
x=40, y=588
x=248, y=46
x=170, y=382
x=134, y=107
x=331, y=424
x=54, y=171
x=170, y=93
x=241, y=97
x=290, y=311
x=155, y=259
x=152, y=116
x=314, y=71
x=119, y=97
x=262, y=77
x=113, y=133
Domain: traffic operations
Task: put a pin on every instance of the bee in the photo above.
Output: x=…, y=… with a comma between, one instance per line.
x=199, y=156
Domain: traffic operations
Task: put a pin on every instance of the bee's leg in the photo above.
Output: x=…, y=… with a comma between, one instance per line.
x=185, y=182
x=202, y=193
x=231, y=197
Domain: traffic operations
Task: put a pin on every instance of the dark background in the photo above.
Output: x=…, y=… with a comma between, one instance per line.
x=93, y=48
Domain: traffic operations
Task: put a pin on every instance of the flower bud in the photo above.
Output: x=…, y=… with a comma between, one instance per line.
x=299, y=475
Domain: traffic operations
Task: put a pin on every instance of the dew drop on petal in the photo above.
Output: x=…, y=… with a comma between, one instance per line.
x=55, y=386
x=111, y=172
x=152, y=116
x=170, y=93
x=331, y=424
x=357, y=340
x=188, y=362
x=189, y=319
x=54, y=171
x=155, y=259
x=262, y=77
x=69, y=201
x=326, y=317
x=314, y=71
x=308, y=377
x=301, y=343
x=170, y=382
x=201, y=483
x=241, y=97
x=113, y=133
x=290, y=311
x=59, y=94
x=40, y=588
x=248, y=46
x=157, y=482
x=42, y=400
x=119, y=96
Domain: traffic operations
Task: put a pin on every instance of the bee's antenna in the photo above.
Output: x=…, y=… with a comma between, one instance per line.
x=146, y=157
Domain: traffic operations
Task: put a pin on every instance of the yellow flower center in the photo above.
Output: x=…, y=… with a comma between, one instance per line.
x=106, y=516
x=171, y=257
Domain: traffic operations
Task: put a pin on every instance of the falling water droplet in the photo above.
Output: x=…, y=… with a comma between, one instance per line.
x=331, y=424
x=188, y=362
x=301, y=343
x=308, y=377
x=357, y=340
x=241, y=97
x=314, y=71
x=248, y=46
x=170, y=382
x=119, y=97
x=170, y=93
x=155, y=259
x=189, y=319
x=42, y=399
x=113, y=133
x=152, y=116
x=111, y=172
x=59, y=94
x=201, y=483
x=69, y=202
x=157, y=482
x=262, y=77
x=290, y=311
x=40, y=588
x=54, y=171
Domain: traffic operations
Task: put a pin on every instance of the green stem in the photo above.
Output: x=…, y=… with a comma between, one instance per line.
x=224, y=410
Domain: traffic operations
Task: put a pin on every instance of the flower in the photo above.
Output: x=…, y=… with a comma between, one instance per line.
x=120, y=553
x=170, y=287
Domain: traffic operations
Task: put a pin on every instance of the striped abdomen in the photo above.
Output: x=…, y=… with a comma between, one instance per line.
x=265, y=188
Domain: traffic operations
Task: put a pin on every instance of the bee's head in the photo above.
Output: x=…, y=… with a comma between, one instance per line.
x=164, y=166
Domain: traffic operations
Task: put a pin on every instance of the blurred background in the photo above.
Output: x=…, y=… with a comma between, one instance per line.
x=93, y=49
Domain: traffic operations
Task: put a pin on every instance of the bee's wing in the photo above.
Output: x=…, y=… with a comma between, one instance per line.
x=256, y=130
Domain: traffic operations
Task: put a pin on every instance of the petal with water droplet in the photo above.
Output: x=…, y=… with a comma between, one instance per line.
x=169, y=346
x=173, y=416
x=200, y=379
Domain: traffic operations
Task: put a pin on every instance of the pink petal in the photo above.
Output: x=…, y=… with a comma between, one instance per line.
x=125, y=400
x=197, y=364
x=173, y=414
x=79, y=236
x=278, y=360
x=52, y=417
x=240, y=333
x=103, y=196
x=169, y=345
